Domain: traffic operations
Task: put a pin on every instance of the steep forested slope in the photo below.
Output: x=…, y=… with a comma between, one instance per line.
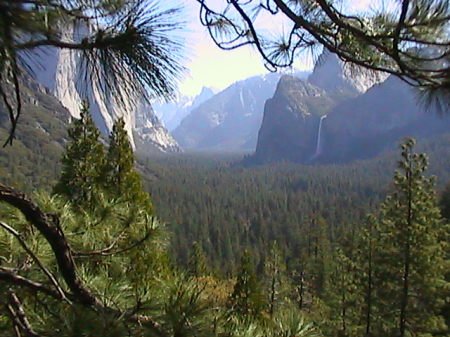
x=34, y=157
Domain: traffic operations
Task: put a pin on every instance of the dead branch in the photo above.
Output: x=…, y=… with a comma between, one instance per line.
x=9, y=276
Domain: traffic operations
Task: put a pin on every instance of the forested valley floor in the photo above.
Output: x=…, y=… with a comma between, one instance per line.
x=227, y=208
x=274, y=250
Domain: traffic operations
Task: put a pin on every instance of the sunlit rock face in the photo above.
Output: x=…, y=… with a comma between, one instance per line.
x=59, y=71
x=150, y=135
x=334, y=76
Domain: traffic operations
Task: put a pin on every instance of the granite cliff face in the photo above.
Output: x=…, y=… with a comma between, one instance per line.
x=337, y=117
x=335, y=77
x=150, y=135
x=230, y=120
x=291, y=120
x=59, y=71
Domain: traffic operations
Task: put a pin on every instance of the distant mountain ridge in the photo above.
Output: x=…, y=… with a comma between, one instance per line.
x=172, y=113
x=375, y=122
x=338, y=116
x=334, y=76
x=229, y=121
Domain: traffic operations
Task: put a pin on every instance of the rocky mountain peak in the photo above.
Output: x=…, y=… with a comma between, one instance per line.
x=292, y=118
x=295, y=88
x=172, y=113
x=333, y=75
x=306, y=124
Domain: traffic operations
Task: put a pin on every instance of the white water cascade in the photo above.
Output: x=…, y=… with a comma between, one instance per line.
x=319, y=143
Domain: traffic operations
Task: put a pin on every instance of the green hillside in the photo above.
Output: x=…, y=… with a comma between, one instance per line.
x=33, y=160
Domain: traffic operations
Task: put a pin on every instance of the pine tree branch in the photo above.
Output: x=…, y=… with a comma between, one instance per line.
x=35, y=259
x=128, y=52
x=18, y=315
x=8, y=61
x=394, y=48
x=9, y=276
x=48, y=226
x=107, y=251
x=15, y=320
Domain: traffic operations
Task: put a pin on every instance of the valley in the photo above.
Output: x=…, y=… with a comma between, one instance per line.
x=228, y=208
x=325, y=150
x=295, y=202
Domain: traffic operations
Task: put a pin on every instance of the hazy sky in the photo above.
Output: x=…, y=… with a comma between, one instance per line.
x=212, y=67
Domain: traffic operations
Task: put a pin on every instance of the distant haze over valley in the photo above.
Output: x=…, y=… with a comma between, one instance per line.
x=172, y=113
x=333, y=114
x=229, y=121
x=339, y=115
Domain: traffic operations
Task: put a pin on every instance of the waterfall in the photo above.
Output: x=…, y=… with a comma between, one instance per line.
x=241, y=95
x=319, y=132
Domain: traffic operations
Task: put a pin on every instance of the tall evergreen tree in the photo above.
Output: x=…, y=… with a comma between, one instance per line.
x=197, y=265
x=444, y=202
x=277, y=283
x=120, y=177
x=247, y=298
x=82, y=162
x=342, y=298
x=317, y=268
x=409, y=278
x=365, y=250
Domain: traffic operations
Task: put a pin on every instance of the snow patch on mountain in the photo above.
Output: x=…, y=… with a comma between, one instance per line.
x=172, y=113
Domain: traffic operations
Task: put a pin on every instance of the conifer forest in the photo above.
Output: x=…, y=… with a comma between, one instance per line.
x=108, y=228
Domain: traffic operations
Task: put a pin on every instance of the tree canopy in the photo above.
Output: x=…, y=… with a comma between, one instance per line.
x=409, y=38
x=82, y=162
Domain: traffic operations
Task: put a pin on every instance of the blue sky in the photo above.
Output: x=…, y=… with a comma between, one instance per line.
x=212, y=67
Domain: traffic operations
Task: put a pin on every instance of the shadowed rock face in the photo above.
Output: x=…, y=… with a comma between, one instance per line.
x=376, y=121
x=58, y=70
x=359, y=123
x=335, y=77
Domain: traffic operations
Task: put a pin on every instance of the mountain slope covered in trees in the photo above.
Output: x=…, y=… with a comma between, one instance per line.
x=34, y=159
x=229, y=121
